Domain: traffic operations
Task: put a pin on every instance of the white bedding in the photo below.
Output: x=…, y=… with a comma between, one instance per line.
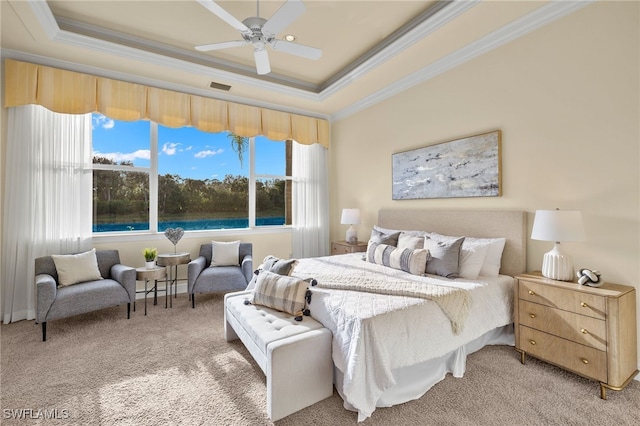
x=374, y=334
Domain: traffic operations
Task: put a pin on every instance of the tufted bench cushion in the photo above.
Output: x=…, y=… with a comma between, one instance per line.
x=294, y=355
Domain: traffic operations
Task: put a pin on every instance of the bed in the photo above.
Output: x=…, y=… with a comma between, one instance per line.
x=391, y=348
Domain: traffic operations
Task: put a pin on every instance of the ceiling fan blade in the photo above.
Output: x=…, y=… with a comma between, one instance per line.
x=222, y=45
x=262, y=61
x=284, y=16
x=296, y=49
x=224, y=15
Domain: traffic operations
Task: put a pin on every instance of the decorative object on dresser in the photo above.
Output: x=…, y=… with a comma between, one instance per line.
x=343, y=247
x=586, y=330
x=351, y=217
x=557, y=225
x=465, y=167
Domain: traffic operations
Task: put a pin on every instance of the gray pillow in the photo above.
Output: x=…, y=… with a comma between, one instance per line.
x=380, y=237
x=278, y=266
x=445, y=257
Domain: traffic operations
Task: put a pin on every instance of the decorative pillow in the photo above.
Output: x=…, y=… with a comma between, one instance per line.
x=493, y=259
x=278, y=266
x=411, y=261
x=225, y=253
x=472, y=254
x=76, y=268
x=408, y=241
x=380, y=237
x=445, y=257
x=280, y=292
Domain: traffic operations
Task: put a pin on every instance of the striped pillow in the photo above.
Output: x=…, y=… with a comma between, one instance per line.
x=411, y=261
x=280, y=292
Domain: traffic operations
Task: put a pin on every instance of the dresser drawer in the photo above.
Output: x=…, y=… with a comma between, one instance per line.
x=568, y=325
x=573, y=301
x=584, y=360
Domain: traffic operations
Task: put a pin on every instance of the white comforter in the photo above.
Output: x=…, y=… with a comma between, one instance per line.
x=374, y=334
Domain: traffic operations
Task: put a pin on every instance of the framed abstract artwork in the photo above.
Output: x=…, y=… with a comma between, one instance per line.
x=466, y=167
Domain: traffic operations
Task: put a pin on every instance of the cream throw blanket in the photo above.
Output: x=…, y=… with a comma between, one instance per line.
x=371, y=278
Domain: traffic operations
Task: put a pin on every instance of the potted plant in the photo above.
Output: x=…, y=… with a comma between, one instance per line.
x=150, y=257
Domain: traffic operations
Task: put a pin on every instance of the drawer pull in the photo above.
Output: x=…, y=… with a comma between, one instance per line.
x=583, y=331
x=532, y=315
x=585, y=361
x=584, y=305
x=533, y=342
x=531, y=292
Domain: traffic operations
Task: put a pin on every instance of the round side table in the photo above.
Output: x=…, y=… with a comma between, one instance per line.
x=171, y=261
x=146, y=275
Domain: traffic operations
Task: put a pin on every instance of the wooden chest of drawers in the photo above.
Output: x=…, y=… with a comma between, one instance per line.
x=343, y=247
x=590, y=331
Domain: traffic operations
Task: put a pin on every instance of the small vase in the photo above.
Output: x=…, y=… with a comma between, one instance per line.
x=150, y=265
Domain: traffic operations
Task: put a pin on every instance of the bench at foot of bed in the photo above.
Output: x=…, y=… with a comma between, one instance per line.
x=294, y=355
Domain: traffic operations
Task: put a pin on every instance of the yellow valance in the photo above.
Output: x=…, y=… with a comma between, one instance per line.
x=76, y=93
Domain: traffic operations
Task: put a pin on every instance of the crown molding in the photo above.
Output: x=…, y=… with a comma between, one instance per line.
x=87, y=36
x=524, y=25
x=180, y=59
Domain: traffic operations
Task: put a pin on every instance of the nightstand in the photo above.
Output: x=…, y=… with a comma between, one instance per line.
x=590, y=331
x=343, y=247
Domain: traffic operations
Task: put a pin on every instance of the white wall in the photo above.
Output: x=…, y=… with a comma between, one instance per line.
x=566, y=98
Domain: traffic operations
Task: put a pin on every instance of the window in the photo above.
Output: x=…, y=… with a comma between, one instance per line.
x=149, y=177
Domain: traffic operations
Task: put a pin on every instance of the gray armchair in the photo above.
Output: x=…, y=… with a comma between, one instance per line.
x=203, y=279
x=54, y=302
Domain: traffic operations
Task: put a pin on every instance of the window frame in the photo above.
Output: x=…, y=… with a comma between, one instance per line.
x=152, y=172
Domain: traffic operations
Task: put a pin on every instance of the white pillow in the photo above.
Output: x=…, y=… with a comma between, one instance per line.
x=411, y=242
x=472, y=255
x=493, y=259
x=76, y=268
x=225, y=253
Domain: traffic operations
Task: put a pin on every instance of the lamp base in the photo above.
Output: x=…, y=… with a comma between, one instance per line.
x=352, y=235
x=557, y=265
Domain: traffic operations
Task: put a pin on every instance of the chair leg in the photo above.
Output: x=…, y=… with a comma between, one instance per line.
x=44, y=331
x=193, y=300
x=129, y=310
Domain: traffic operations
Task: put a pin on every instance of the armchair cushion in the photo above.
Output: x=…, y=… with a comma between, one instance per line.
x=225, y=253
x=77, y=268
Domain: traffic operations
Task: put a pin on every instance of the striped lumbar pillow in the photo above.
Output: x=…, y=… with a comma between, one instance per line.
x=281, y=292
x=411, y=261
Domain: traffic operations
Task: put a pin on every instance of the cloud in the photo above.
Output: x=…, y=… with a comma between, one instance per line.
x=208, y=153
x=100, y=120
x=144, y=154
x=170, y=148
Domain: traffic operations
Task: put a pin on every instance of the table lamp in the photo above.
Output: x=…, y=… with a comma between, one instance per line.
x=351, y=217
x=557, y=225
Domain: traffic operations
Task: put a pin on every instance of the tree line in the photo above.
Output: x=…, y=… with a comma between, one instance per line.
x=125, y=195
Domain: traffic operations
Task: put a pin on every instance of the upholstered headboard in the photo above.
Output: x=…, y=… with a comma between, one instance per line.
x=509, y=224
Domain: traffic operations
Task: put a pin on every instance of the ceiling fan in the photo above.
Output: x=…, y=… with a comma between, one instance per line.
x=261, y=32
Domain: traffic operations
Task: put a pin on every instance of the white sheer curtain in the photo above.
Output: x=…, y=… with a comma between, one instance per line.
x=47, y=198
x=310, y=201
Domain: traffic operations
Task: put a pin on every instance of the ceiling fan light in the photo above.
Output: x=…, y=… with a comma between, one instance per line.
x=289, y=37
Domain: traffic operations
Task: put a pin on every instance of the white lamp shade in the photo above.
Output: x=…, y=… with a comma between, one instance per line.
x=350, y=217
x=558, y=225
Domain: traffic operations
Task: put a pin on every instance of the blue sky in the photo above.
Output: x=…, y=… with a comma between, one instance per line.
x=186, y=151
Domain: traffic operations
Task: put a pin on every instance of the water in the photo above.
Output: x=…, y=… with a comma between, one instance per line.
x=189, y=225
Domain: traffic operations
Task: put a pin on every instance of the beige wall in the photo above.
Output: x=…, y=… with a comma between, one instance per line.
x=566, y=98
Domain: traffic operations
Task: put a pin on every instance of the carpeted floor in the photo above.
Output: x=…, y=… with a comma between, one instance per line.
x=174, y=367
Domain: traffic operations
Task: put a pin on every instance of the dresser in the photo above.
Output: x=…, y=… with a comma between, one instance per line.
x=590, y=331
x=343, y=247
